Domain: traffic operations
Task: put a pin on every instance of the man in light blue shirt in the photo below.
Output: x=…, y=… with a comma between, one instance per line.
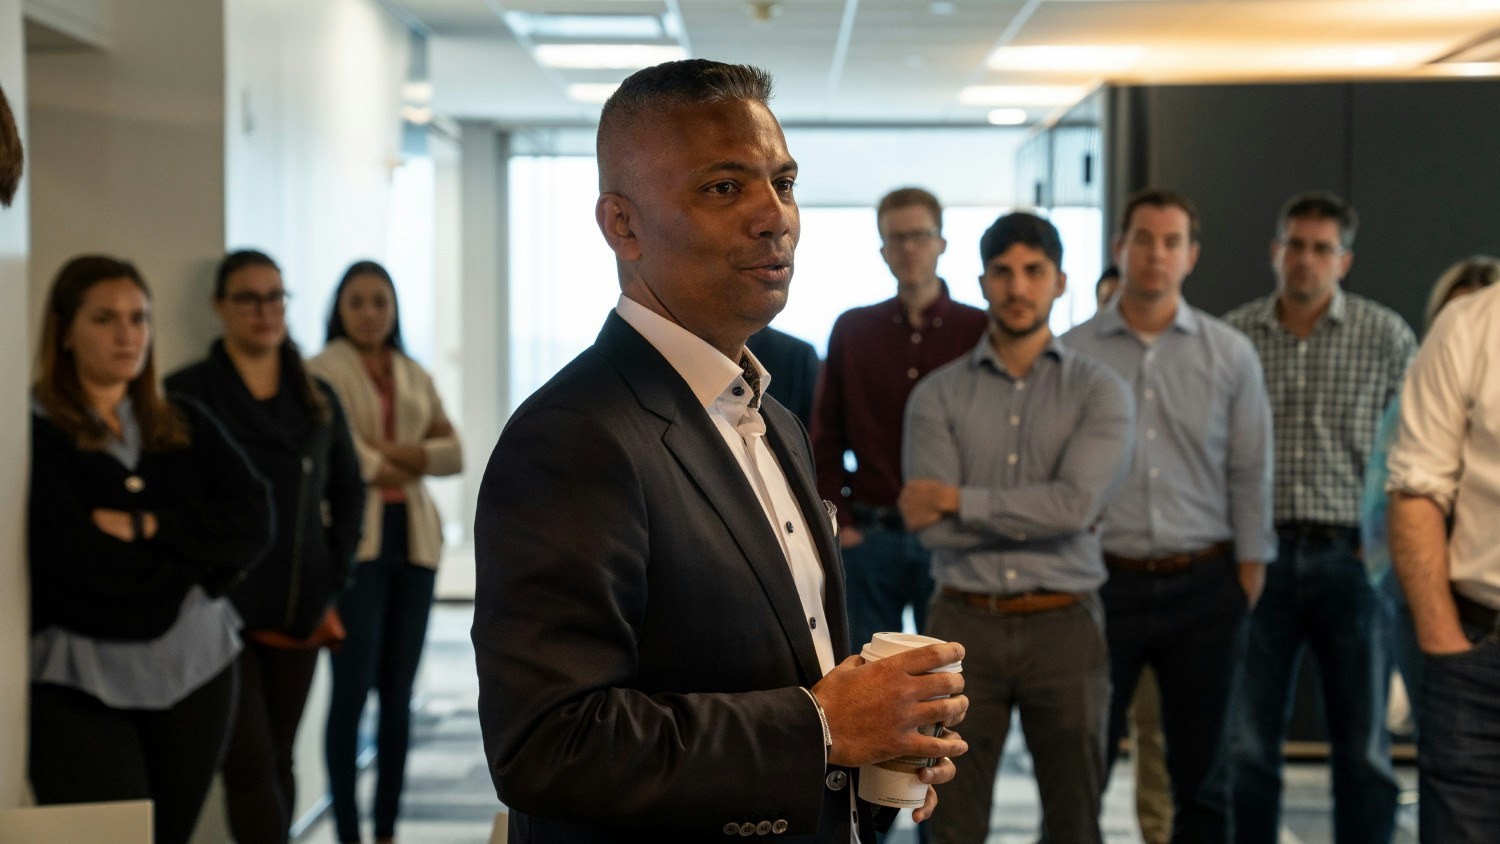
x=1011, y=452
x=1187, y=538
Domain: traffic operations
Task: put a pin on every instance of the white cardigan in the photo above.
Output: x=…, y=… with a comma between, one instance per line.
x=417, y=410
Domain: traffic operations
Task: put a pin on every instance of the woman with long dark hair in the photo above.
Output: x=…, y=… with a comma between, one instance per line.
x=293, y=430
x=142, y=513
x=401, y=434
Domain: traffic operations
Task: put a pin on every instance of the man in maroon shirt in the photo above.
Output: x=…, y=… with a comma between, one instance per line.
x=876, y=354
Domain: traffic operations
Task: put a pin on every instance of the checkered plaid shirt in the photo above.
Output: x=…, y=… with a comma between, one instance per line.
x=1327, y=394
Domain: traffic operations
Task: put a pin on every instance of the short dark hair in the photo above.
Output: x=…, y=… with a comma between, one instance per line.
x=12, y=156
x=1111, y=273
x=1321, y=205
x=1160, y=198
x=1024, y=228
x=336, y=327
x=236, y=261
x=907, y=197
x=689, y=82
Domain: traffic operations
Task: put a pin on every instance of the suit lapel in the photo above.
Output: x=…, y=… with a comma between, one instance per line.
x=702, y=454
x=782, y=433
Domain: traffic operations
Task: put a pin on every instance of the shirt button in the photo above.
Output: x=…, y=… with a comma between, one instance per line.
x=789, y=527
x=134, y=483
x=738, y=390
x=1155, y=512
x=912, y=373
x=836, y=780
x=1011, y=459
x=747, y=828
x=1150, y=393
x=937, y=322
x=916, y=337
x=1020, y=385
x=813, y=622
x=1302, y=347
x=1015, y=420
x=731, y=828
x=1150, y=433
x=779, y=827
x=763, y=828
x=1155, y=471
x=1302, y=382
x=1299, y=454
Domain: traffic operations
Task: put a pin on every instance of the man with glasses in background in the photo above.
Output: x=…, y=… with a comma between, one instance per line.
x=1333, y=361
x=876, y=355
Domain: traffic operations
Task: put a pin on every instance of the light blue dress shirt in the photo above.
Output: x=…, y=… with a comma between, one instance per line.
x=1201, y=468
x=1034, y=458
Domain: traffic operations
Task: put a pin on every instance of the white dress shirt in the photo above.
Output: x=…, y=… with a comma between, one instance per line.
x=1448, y=448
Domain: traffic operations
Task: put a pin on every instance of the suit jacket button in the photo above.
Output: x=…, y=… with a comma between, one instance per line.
x=747, y=828
x=763, y=828
x=731, y=828
x=836, y=780
x=778, y=827
x=135, y=483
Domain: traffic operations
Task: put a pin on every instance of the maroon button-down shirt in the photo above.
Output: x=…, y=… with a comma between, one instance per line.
x=875, y=358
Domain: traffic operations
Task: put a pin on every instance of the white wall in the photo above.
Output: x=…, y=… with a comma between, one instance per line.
x=312, y=134
x=127, y=159
x=14, y=435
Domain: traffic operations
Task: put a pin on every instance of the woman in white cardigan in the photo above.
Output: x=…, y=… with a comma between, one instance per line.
x=401, y=435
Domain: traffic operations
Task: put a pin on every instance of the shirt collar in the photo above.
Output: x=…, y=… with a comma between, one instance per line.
x=984, y=352
x=1338, y=308
x=941, y=307
x=1110, y=322
x=708, y=373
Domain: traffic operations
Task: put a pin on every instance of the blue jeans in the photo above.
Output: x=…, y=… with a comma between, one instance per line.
x=1401, y=638
x=385, y=611
x=884, y=575
x=1458, y=749
x=1317, y=593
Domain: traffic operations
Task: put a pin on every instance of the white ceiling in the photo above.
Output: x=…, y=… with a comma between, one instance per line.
x=906, y=61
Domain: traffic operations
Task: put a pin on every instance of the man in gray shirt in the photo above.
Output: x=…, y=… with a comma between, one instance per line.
x=1011, y=452
x=1333, y=362
x=1187, y=538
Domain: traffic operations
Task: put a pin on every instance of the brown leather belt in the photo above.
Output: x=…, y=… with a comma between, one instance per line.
x=1170, y=564
x=1021, y=604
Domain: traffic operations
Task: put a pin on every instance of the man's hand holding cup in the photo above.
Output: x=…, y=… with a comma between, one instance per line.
x=895, y=705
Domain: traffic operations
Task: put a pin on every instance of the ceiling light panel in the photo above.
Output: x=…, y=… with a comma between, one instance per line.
x=1021, y=95
x=586, y=27
x=606, y=56
x=1066, y=58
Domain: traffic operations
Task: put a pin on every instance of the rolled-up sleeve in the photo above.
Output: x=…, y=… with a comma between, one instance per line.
x=1427, y=457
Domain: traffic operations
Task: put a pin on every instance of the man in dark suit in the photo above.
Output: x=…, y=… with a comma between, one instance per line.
x=659, y=597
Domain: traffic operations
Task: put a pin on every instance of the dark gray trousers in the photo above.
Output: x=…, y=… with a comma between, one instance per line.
x=1054, y=668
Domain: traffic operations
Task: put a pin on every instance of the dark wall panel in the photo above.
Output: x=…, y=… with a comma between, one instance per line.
x=1238, y=151
x=1426, y=164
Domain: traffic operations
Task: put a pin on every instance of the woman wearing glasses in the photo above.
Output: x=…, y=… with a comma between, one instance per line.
x=142, y=512
x=293, y=430
x=402, y=435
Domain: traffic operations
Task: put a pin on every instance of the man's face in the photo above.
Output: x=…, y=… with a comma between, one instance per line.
x=1309, y=259
x=1156, y=252
x=910, y=244
x=707, y=222
x=1021, y=284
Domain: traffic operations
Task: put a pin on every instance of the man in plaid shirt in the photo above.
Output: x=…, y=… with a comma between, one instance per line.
x=1333, y=361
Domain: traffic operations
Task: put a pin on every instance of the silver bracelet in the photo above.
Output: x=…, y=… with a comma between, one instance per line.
x=823, y=721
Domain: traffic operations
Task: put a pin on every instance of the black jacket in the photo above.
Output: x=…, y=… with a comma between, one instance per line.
x=213, y=523
x=315, y=481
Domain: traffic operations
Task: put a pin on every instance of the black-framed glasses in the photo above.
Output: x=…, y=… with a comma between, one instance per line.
x=247, y=301
x=1318, y=248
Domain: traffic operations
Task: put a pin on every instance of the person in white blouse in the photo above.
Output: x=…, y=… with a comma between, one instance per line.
x=401, y=435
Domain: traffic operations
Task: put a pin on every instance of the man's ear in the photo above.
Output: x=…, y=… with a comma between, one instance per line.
x=615, y=214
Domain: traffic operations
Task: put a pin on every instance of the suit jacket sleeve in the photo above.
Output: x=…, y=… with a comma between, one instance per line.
x=575, y=725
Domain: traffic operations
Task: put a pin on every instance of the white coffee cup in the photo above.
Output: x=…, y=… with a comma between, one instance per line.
x=894, y=783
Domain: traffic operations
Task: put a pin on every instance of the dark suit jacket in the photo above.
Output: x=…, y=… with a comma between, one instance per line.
x=639, y=638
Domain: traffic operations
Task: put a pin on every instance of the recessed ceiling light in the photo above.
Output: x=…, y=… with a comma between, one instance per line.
x=583, y=27
x=940, y=7
x=1009, y=116
x=1020, y=95
x=1065, y=57
x=606, y=56
x=420, y=115
x=417, y=92
x=592, y=92
x=1464, y=69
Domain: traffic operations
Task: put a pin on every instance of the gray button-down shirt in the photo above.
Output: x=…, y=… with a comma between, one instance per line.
x=1328, y=392
x=1201, y=468
x=1034, y=459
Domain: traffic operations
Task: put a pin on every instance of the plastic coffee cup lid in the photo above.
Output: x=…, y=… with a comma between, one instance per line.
x=883, y=645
